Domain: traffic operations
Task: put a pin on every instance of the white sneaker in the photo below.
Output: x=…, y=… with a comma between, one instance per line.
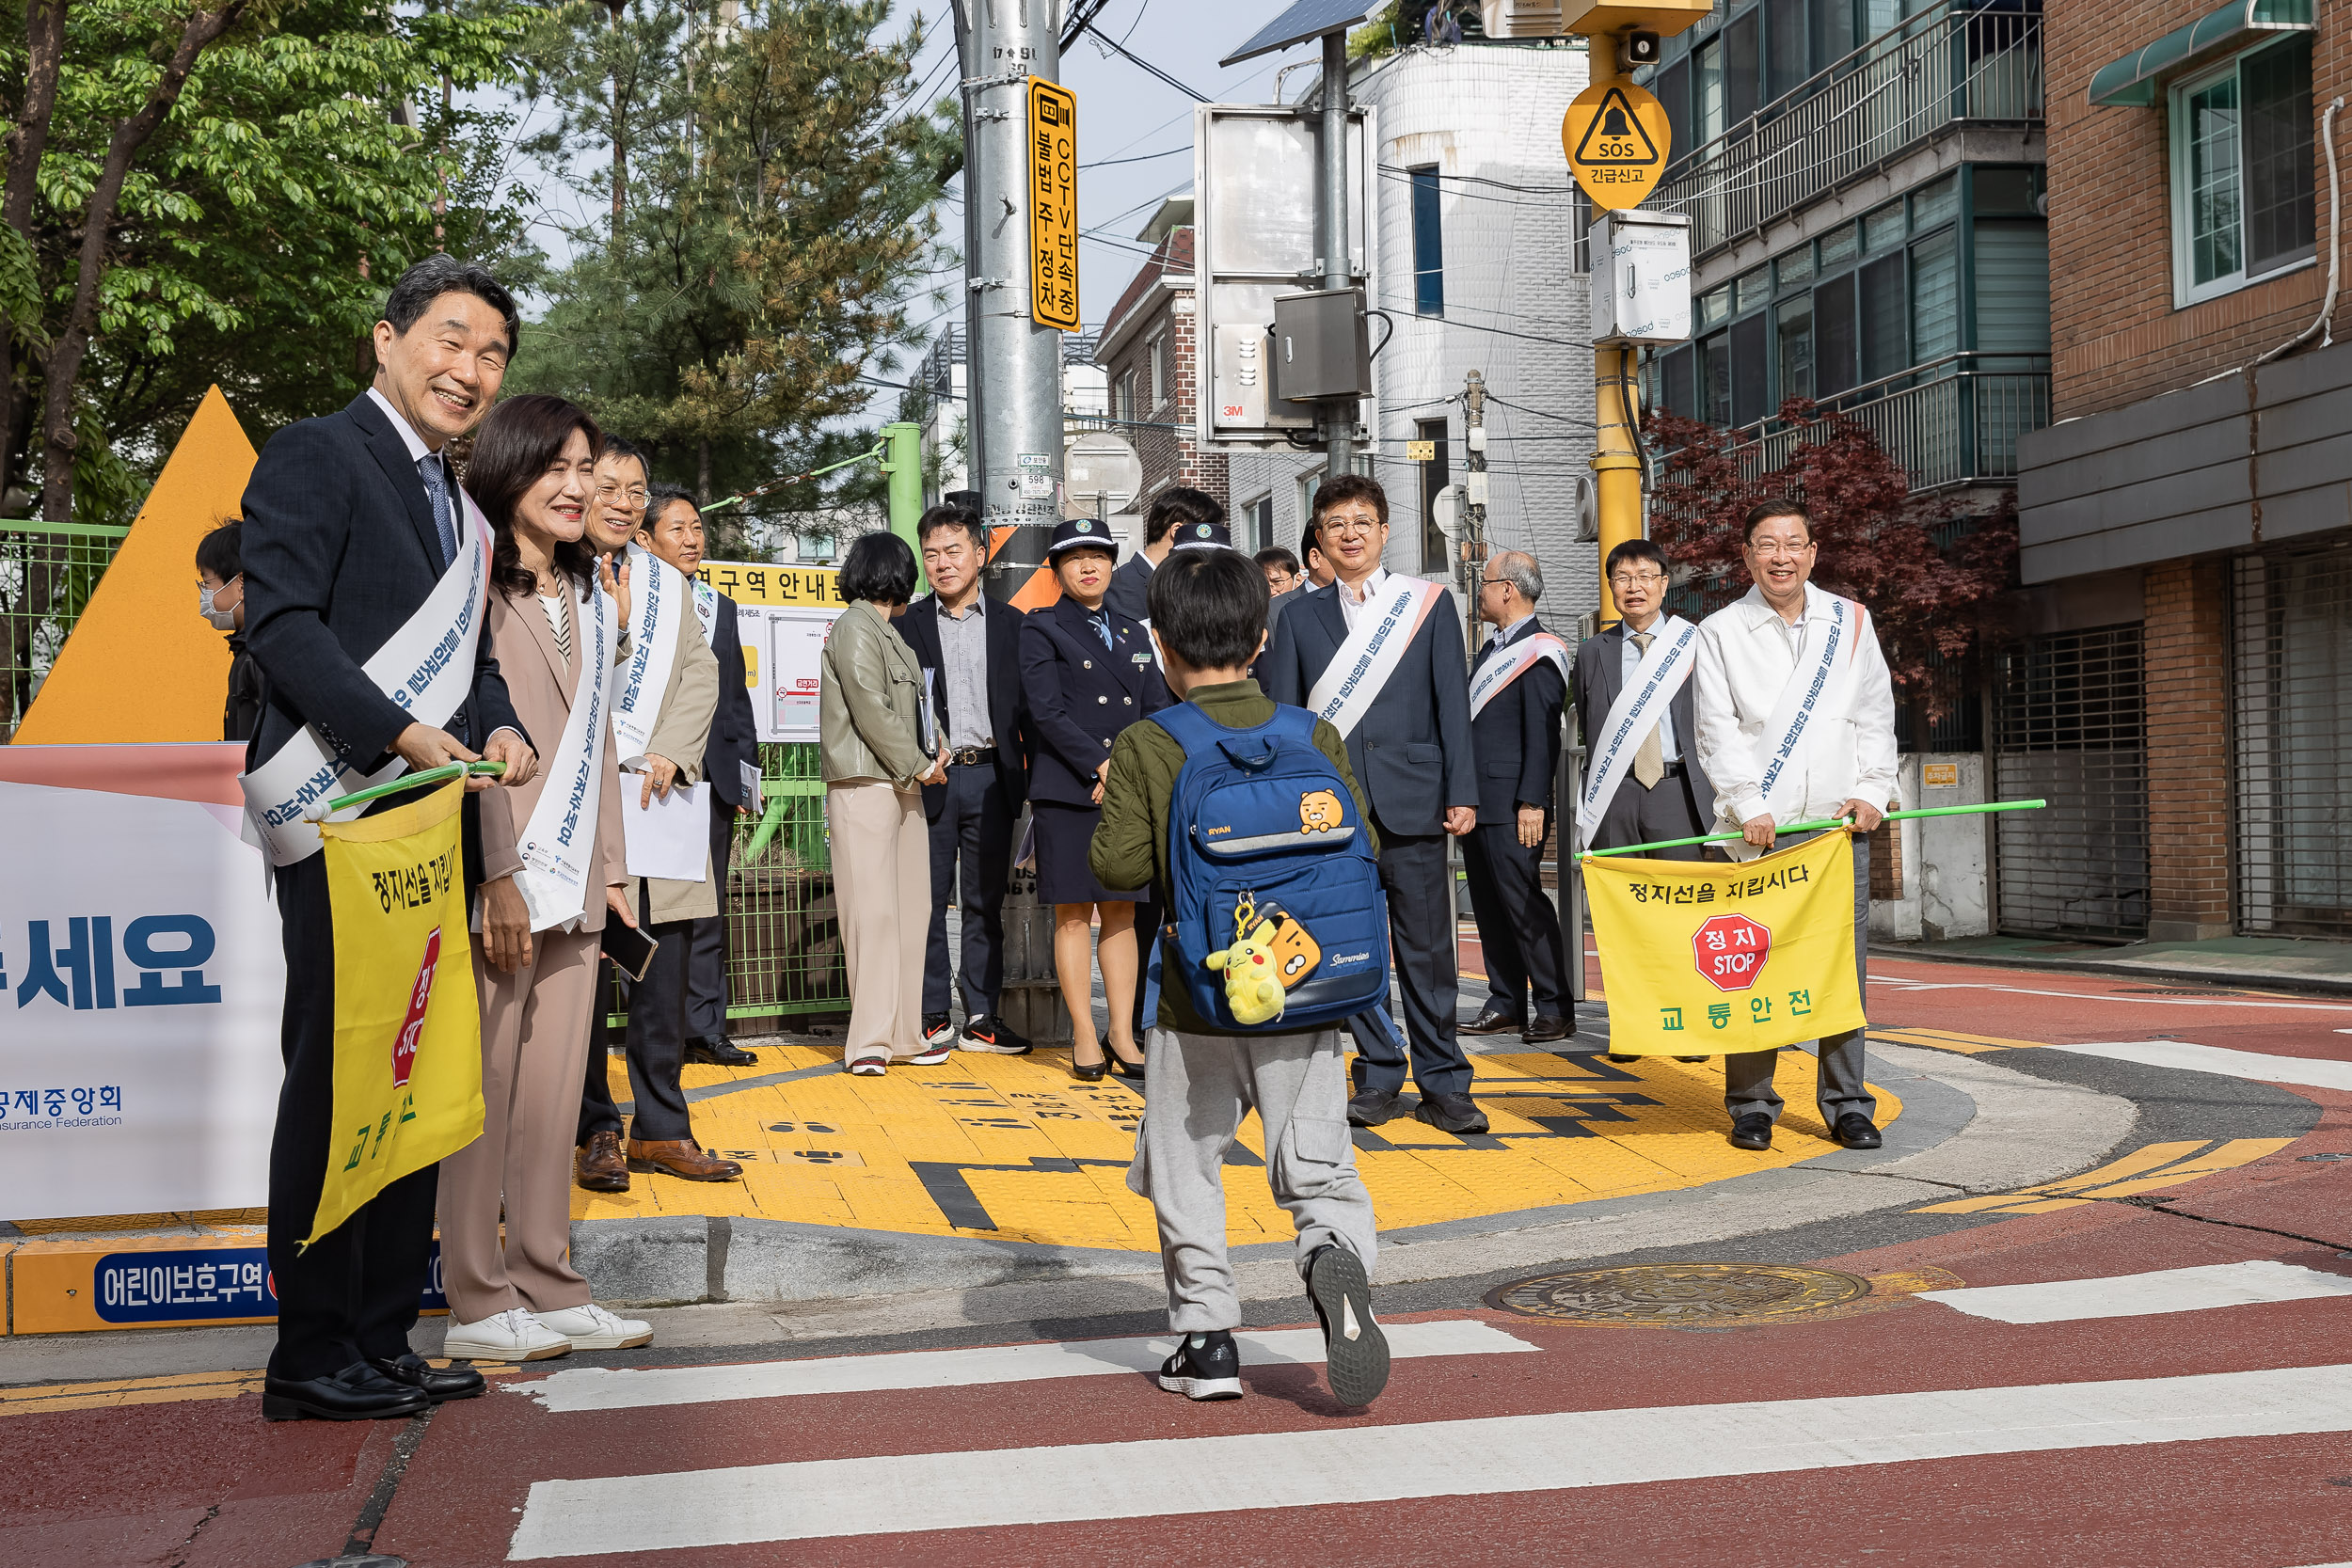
x=513, y=1335
x=591, y=1327
x=868, y=1066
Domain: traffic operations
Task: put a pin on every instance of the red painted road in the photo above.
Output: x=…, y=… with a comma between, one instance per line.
x=209, y=1483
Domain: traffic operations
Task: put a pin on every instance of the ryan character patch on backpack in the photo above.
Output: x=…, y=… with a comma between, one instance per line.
x=1319, y=812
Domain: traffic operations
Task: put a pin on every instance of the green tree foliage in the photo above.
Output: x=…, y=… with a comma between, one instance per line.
x=197, y=196
x=768, y=215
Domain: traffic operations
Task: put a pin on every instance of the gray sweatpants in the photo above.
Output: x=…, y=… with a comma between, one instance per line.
x=1748, y=1074
x=1196, y=1090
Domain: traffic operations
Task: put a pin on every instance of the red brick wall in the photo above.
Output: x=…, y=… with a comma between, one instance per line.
x=2114, y=336
x=1171, y=456
x=2188, y=797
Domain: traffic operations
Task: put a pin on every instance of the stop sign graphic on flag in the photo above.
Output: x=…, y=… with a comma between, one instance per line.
x=1731, y=949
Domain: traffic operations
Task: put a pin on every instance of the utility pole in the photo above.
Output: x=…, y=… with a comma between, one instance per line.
x=1474, y=504
x=1616, y=460
x=1339, y=271
x=1014, y=364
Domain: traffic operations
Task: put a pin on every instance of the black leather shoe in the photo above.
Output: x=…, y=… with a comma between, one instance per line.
x=1451, y=1113
x=1491, y=1021
x=439, y=1384
x=357, y=1393
x=1547, y=1029
x=1753, y=1131
x=711, y=1051
x=1371, y=1107
x=1854, y=1131
x=1690, y=1058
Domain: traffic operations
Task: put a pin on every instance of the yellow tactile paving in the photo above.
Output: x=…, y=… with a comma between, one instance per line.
x=48, y=1397
x=2149, y=1168
x=1013, y=1149
x=1949, y=1039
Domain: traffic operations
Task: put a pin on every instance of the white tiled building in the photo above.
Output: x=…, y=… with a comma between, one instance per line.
x=1478, y=270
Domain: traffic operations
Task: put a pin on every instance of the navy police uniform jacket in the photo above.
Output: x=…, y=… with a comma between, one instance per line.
x=1081, y=695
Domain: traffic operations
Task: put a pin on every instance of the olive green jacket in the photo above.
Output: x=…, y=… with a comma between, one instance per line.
x=1130, y=848
x=867, y=704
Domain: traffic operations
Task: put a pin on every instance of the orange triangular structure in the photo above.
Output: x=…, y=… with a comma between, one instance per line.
x=141, y=665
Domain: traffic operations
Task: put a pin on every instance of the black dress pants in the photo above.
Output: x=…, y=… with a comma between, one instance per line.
x=1518, y=928
x=971, y=861
x=354, y=1293
x=1421, y=936
x=706, y=944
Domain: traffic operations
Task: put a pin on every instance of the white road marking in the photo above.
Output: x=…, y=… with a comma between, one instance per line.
x=2139, y=1295
x=619, y=1388
x=1366, y=1463
x=2318, y=1072
x=1908, y=985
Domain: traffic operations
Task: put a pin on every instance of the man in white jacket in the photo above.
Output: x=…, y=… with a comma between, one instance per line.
x=1796, y=722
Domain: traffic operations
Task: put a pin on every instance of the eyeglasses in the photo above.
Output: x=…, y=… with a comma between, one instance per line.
x=1494, y=582
x=1647, y=580
x=635, y=494
x=1346, y=528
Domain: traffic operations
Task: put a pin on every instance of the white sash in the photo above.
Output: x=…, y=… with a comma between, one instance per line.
x=1633, y=715
x=707, y=611
x=559, y=843
x=426, y=667
x=641, y=679
x=1362, y=668
x=1789, y=731
x=1508, y=664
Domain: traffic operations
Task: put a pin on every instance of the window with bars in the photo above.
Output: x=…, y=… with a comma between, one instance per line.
x=2242, y=171
x=2292, y=741
x=2070, y=728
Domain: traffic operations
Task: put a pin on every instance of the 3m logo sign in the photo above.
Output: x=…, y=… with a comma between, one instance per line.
x=1730, y=950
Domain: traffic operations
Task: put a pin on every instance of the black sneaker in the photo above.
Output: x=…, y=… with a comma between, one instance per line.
x=988, y=1034
x=939, y=1029
x=1355, y=1351
x=1208, y=1370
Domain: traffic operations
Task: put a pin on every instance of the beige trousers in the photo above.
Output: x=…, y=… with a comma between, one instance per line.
x=535, y=1052
x=882, y=881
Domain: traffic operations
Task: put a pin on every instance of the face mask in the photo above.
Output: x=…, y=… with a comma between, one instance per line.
x=219, y=620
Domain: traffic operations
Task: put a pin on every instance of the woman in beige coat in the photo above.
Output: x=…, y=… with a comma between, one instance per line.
x=514, y=1296
x=875, y=765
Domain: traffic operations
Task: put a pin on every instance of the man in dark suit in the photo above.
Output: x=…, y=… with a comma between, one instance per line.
x=969, y=648
x=1179, y=516
x=673, y=531
x=1517, y=689
x=1406, y=714
x=350, y=521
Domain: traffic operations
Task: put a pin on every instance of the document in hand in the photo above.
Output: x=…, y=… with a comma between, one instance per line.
x=670, y=837
x=927, y=709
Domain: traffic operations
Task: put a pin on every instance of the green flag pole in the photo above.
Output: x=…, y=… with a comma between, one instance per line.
x=431, y=776
x=1826, y=822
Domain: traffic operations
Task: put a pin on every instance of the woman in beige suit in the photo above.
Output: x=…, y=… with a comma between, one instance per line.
x=875, y=767
x=549, y=880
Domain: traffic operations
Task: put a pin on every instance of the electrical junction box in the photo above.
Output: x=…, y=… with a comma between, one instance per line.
x=1641, y=278
x=1534, y=19
x=1322, y=346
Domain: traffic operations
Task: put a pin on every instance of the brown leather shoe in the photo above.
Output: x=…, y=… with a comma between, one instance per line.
x=598, y=1166
x=682, y=1157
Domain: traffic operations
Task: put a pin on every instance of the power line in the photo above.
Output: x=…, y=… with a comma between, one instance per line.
x=1085, y=25
x=1145, y=158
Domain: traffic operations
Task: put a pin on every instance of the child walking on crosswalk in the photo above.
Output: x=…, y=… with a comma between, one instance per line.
x=1275, y=930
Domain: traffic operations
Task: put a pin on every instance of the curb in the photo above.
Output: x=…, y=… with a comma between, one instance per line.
x=2233, y=980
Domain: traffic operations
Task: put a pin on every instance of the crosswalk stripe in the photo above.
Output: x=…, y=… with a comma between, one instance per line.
x=1360, y=1463
x=2316, y=1072
x=2140, y=1295
x=621, y=1389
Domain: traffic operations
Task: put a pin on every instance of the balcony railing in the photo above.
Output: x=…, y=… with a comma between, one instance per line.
x=1955, y=421
x=1937, y=71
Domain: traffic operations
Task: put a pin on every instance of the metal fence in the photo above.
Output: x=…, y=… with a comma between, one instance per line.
x=785, y=954
x=2069, y=726
x=2292, y=740
x=1948, y=422
x=47, y=574
x=1938, y=70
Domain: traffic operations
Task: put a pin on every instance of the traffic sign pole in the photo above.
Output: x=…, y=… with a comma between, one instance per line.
x=1616, y=459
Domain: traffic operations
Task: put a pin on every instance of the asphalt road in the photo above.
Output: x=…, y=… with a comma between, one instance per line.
x=2143, y=1356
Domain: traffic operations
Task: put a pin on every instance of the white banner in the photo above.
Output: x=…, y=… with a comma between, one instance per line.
x=657, y=598
x=1788, y=734
x=1639, y=705
x=141, y=962
x=559, y=843
x=1360, y=671
x=1508, y=665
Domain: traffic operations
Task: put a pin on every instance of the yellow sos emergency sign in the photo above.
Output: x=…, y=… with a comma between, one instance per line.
x=1616, y=138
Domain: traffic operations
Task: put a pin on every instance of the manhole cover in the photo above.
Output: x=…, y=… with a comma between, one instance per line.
x=1676, y=1295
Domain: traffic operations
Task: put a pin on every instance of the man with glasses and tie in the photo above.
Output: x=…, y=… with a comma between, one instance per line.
x=1517, y=687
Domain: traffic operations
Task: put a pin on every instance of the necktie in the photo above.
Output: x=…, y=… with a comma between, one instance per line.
x=437, y=491
x=1102, y=619
x=1649, y=760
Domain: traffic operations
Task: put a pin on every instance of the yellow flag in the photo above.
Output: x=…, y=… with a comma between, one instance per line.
x=408, y=1029
x=1703, y=958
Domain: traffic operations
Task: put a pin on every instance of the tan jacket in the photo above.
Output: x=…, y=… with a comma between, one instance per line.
x=869, y=704
x=682, y=733
x=541, y=688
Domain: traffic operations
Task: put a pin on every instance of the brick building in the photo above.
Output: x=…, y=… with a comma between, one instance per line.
x=2185, y=528
x=1146, y=353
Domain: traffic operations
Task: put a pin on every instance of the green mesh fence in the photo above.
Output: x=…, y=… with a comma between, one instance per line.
x=47, y=574
x=783, y=926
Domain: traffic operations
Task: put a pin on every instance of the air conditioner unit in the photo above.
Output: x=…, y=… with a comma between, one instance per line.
x=1522, y=19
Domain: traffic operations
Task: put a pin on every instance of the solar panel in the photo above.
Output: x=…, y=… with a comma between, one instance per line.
x=1308, y=19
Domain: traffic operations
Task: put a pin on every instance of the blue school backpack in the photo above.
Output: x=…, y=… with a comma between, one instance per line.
x=1276, y=922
